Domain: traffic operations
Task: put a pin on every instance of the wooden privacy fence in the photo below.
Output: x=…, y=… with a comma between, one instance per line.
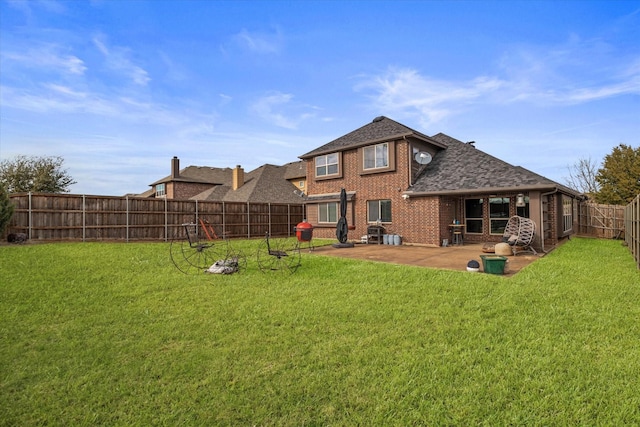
x=80, y=217
x=604, y=221
x=632, y=228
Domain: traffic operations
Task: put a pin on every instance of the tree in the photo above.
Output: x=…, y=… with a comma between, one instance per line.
x=582, y=177
x=6, y=209
x=35, y=174
x=619, y=176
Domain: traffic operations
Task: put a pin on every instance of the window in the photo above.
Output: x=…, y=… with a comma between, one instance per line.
x=376, y=156
x=301, y=184
x=473, y=213
x=567, y=214
x=160, y=190
x=498, y=214
x=328, y=212
x=379, y=210
x=327, y=165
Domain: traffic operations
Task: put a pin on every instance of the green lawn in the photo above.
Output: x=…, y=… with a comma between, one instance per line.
x=113, y=334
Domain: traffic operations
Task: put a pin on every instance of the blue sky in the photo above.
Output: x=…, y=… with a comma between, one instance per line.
x=117, y=88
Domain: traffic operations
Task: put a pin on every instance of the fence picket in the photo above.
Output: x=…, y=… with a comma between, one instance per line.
x=632, y=228
x=48, y=217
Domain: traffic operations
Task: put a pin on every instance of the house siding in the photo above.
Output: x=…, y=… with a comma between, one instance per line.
x=420, y=220
x=184, y=190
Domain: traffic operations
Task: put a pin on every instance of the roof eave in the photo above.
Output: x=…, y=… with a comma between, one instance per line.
x=493, y=190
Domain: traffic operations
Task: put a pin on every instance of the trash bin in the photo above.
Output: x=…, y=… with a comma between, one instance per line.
x=493, y=264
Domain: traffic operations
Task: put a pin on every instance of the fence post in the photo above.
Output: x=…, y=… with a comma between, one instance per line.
x=248, y=220
x=269, y=215
x=166, y=221
x=84, y=218
x=126, y=200
x=29, y=216
x=224, y=219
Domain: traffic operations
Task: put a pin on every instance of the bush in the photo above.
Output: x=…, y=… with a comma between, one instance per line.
x=6, y=209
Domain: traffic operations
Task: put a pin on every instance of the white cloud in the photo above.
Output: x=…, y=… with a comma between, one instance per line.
x=278, y=109
x=572, y=73
x=407, y=92
x=47, y=57
x=26, y=6
x=261, y=43
x=118, y=60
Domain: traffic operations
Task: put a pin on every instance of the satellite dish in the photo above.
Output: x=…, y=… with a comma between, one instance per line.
x=423, y=158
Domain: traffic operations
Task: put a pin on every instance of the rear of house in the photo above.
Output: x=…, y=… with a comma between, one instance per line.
x=417, y=186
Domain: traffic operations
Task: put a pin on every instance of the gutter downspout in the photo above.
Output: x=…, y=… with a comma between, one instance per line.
x=408, y=163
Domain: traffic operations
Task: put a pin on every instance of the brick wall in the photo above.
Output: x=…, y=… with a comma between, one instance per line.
x=417, y=220
x=183, y=190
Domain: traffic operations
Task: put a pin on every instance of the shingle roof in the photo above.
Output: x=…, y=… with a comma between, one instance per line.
x=380, y=129
x=266, y=184
x=462, y=167
x=295, y=170
x=200, y=174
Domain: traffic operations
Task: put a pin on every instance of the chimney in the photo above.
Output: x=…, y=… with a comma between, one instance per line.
x=238, y=177
x=175, y=167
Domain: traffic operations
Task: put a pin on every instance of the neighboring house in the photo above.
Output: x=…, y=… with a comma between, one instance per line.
x=266, y=184
x=296, y=173
x=417, y=186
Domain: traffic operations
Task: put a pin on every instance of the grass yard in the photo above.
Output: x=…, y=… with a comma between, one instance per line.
x=113, y=334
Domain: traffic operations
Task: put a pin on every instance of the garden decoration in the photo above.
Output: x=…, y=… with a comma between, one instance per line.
x=197, y=248
x=280, y=254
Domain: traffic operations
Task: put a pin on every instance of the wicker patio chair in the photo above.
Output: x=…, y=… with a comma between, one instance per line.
x=519, y=234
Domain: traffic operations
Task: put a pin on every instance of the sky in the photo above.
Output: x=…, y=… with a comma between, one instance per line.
x=117, y=88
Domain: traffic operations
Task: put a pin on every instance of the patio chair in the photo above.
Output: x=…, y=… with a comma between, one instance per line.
x=519, y=234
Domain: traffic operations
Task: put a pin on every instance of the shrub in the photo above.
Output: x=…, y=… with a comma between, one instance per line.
x=6, y=209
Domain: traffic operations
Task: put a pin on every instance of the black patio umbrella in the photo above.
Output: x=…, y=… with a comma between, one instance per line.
x=342, y=227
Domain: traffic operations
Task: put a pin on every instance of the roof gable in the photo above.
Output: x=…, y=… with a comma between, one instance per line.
x=380, y=129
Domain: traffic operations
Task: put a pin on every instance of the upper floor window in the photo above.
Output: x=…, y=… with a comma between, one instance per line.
x=376, y=156
x=327, y=165
x=160, y=190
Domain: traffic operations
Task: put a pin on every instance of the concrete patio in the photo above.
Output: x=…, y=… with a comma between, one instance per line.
x=448, y=258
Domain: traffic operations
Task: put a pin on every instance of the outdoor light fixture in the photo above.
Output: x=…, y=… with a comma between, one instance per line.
x=520, y=203
x=405, y=196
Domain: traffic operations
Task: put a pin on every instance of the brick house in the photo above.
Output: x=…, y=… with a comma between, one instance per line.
x=265, y=184
x=416, y=186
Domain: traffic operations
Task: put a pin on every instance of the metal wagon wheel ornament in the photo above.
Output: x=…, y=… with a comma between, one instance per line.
x=280, y=254
x=193, y=250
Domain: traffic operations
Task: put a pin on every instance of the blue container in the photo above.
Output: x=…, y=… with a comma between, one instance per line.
x=385, y=239
x=397, y=239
